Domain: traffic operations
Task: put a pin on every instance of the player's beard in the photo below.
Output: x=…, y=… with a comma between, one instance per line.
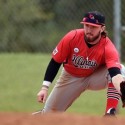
x=91, y=39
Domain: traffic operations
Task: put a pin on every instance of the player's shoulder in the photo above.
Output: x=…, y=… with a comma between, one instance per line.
x=109, y=46
x=108, y=41
x=78, y=31
x=75, y=33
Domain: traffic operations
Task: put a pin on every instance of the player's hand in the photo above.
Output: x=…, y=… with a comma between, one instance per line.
x=42, y=95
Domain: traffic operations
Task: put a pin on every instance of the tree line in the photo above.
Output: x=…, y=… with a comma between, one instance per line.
x=38, y=25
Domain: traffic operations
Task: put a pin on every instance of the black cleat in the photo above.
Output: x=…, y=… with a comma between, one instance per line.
x=110, y=113
x=38, y=112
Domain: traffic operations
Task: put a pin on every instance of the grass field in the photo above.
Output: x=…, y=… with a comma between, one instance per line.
x=21, y=76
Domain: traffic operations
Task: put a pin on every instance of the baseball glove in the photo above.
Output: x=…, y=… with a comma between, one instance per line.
x=122, y=89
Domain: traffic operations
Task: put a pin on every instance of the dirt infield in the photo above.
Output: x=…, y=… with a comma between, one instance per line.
x=57, y=119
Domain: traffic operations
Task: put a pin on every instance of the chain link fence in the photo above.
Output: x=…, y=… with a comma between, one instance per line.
x=38, y=25
x=123, y=30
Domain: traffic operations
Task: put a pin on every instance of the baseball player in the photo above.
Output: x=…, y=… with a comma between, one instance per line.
x=88, y=56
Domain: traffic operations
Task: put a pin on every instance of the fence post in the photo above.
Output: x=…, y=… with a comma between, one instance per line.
x=117, y=25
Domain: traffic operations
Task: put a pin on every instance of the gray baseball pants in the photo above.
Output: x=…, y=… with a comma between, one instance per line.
x=68, y=88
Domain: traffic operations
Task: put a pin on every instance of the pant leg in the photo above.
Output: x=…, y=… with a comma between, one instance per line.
x=99, y=79
x=66, y=90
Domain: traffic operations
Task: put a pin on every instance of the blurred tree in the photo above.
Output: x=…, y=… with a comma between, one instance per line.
x=15, y=17
x=38, y=25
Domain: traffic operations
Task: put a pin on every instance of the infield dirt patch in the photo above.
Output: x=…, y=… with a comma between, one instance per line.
x=57, y=119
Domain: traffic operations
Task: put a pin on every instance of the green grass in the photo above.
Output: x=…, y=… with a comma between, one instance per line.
x=21, y=77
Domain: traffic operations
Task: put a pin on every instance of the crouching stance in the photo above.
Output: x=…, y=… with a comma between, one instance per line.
x=90, y=62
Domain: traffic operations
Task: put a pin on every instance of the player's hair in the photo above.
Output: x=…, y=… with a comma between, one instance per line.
x=104, y=33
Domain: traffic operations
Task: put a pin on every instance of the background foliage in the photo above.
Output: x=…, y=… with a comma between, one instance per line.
x=38, y=25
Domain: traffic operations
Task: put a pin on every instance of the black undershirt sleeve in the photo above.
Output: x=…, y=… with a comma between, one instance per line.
x=114, y=71
x=52, y=70
x=54, y=66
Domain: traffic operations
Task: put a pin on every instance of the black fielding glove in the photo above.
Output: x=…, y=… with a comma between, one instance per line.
x=122, y=89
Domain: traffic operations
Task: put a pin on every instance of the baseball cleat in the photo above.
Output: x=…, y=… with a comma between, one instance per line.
x=38, y=112
x=111, y=112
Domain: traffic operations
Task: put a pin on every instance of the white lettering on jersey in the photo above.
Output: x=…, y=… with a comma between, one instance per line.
x=55, y=51
x=81, y=62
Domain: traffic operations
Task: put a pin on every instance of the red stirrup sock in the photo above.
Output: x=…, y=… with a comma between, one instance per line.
x=112, y=98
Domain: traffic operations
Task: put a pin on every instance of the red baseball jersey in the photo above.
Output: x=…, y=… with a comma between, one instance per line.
x=80, y=60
